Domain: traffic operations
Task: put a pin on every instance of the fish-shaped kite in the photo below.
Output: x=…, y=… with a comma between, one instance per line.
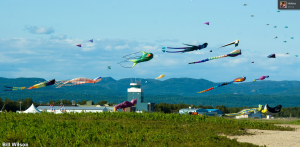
x=161, y=76
x=43, y=84
x=261, y=78
x=77, y=81
x=145, y=57
x=125, y=104
x=236, y=43
x=231, y=54
x=239, y=79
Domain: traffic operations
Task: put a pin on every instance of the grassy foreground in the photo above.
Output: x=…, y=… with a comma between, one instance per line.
x=124, y=129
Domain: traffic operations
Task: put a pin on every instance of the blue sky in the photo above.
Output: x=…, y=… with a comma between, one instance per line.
x=38, y=39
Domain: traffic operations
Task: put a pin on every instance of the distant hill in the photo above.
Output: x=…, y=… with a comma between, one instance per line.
x=175, y=90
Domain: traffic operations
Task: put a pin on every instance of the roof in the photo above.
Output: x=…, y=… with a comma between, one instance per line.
x=72, y=108
x=212, y=109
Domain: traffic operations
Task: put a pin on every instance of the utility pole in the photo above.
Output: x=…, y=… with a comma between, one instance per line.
x=20, y=105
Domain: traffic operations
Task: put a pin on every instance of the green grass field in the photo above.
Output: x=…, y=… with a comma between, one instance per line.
x=124, y=129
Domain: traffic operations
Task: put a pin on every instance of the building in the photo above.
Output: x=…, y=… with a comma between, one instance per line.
x=57, y=109
x=214, y=112
x=250, y=115
x=192, y=110
x=136, y=92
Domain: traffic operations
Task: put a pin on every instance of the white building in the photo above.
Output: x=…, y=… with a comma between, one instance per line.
x=68, y=109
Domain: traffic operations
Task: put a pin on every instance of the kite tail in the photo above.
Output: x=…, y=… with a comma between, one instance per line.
x=8, y=87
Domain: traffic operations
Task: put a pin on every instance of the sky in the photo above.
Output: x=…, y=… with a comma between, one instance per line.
x=39, y=38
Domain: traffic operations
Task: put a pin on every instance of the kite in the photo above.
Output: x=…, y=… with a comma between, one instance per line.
x=14, y=88
x=77, y=81
x=79, y=45
x=236, y=43
x=287, y=53
x=245, y=4
x=43, y=84
x=252, y=15
x=239, y=79
x=276, y=37
x=275, y=26
x=278, y=11
x=261, y=78
x=231, y=54
x=207, y=23
x=146, y=82
x=292, y=37
x=252, y=62
x=188, y=49
x=272, y=111
x=296, y=55
x=267, y=24
x=163, y=49
x=145, y=57
x=286, y=27
x=284, y=41
x=272, y=56
x=210, y=51
x=245, y=111
x=161, y=76
x=125, y=104
x=91, y=40
x=108, y=67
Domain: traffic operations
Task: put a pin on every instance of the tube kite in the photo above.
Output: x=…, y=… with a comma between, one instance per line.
x=236, y=43
x=231, y=54
x=272, y=56
x=245, y=111
x=272, y=111
x=14, y=88
x=261, y=78
x=125, y=104
x=43, y=84
x=239, y=79
x=145, y=57
x=77, y=81
x=188, y=49
x=161, y=76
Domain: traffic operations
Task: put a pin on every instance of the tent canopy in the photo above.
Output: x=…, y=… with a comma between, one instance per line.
x=32, y=109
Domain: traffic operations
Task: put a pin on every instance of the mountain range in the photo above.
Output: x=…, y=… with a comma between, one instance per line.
x=174, y=90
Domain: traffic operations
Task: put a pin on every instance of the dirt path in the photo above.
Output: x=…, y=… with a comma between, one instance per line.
x=272, y=138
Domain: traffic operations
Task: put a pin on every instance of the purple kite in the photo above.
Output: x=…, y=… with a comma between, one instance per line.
x=91, y=40
x=252, y=62
x=262, y=78
x=207, y=23
x=125, y=104
x=79, y=45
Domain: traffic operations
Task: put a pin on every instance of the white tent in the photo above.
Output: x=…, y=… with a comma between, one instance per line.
x=32, y=109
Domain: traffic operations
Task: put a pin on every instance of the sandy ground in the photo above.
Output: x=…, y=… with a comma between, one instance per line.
x=272, y=138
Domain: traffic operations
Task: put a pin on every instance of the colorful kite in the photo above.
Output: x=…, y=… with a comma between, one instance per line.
x=14, y=88
x=188, y=49
x=272, y=56
x=245, y=111
x=239, y=79
x=43, y=84
x=272, y=111
x=231, y=54
x=262, y=78
x=236, y=43
x=79, y=45
x=125, y=104
x=161, y=76
x=145, y=57
x=207, y=23
x=76, y=81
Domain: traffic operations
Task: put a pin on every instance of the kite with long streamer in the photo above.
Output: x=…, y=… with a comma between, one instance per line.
x=239, y=79
x=231, y=54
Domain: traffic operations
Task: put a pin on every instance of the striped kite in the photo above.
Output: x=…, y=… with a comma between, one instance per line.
x=76, y=81
x=239, y=79
x=236, y=43
x=14, y=88
x=231, y=54
x=43, y=84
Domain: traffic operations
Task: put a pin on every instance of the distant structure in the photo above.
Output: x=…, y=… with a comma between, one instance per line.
x=198, y=111
x=250, y=115
x=136, y=92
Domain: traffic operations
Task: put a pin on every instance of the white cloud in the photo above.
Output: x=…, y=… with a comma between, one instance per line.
x=60, y=37
x=121, y=47
x=39, y=30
